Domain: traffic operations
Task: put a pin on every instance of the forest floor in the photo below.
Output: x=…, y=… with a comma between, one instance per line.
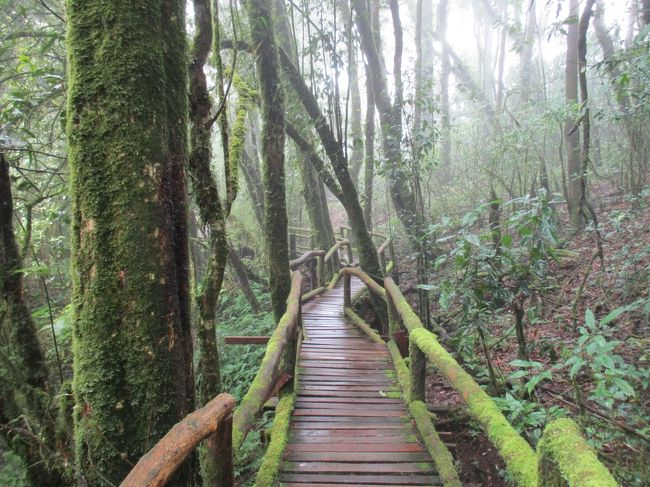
x=625, y=227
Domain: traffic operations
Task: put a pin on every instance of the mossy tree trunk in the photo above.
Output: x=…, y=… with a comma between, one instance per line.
x=127, y=124
x=24, y=390
x=209, y=203
x=261, y=19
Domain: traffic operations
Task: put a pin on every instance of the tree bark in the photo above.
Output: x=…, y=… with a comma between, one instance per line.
x=260, y=14
x=369, y=155
x=575, y=176
x=127, y=121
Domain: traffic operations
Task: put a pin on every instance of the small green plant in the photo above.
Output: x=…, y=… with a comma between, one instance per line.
x=595, y=355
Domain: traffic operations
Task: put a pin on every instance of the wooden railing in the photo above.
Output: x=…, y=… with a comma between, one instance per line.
x=223, y=427
x=560, y=466
x=213, y=423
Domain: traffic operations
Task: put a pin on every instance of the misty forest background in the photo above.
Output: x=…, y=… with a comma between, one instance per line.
x=502, y=144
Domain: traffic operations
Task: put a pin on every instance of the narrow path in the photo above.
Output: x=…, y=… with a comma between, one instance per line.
x=350, y=425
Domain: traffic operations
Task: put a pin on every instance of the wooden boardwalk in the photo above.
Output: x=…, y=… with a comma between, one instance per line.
x=349, y=427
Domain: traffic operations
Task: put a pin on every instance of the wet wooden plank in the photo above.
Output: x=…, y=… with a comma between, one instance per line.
x=354, y=447
x=371, y=468
x=358, y=457
x=324, y=480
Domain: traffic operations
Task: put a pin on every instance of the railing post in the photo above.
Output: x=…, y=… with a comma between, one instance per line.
x=391, y=254
x=350, y=257
x=321, y=270
x=313, y=275
x=347, y=297
x=219, y=447
x=393, y=317
x=292, y=246
x=382, y=261
x=417, y=365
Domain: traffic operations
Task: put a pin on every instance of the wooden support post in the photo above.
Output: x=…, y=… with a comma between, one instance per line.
x=292, y=246
x=321, y=271
x=417, y=363
x=347, y=297
x=291, y=352
x=350, y=256
x=382, y=261
x=219, y=447
x=391, y=254
x=393, y=318
x=313, y=275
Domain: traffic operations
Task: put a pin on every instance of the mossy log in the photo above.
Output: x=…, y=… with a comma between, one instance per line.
x=437, y=449
x=269, y=370
x=566, y=460
x=521, y=461
x=363, y=326
x=268, y=472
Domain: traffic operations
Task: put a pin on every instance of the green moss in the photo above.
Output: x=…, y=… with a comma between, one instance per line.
x=437, y=449
x=237, y=134
x=127, y=125
x=365, y=328
x=393, y=395
x=252, y=403
x=403, y=373
x=566, y=460
x=521, y=461
x=268, y=473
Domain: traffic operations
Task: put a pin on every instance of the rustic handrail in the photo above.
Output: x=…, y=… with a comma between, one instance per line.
x=269, y=372
x=304, y=258
x=213, y=420
x=521, y=460
x=336, y=247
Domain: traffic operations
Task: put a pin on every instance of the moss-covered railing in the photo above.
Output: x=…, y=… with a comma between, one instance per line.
x=212, y=423
x=279, y=359
x=563, y=459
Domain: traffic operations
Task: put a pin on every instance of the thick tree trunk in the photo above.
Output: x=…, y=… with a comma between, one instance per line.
x=260, y=14
x=575, y=176
x=127, y=120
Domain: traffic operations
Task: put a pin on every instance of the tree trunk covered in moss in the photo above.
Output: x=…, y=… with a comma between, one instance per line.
x=24, y=386
x=127, y=121
x=260, y=14
x=209, y=203
x=313, y=190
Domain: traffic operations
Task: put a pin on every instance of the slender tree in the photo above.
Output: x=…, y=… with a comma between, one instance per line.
x=574, y=171
x=260, y=15
x=127, y=125
x=25, y=389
